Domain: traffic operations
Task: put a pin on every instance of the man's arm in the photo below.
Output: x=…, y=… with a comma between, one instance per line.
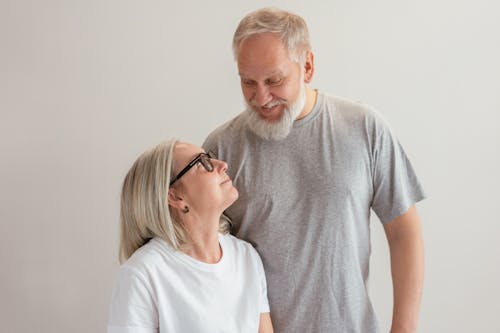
x=404, y=235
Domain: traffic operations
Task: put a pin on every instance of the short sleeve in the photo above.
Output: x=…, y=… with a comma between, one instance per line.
x=395, y=184
x=133, y=309
x=264, y=306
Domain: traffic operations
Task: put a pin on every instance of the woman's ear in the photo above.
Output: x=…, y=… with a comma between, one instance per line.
x=174, y=200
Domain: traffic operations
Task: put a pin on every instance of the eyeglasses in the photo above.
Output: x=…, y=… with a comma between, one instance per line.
x=203, y=158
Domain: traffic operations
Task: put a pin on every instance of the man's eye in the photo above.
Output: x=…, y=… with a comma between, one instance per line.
x=274, y=81
x=248, y=83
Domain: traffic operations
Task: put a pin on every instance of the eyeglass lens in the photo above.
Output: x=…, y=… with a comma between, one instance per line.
x=205, y=161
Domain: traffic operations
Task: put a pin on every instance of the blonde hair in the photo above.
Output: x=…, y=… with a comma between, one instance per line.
x=144, y=211
x=291, y=28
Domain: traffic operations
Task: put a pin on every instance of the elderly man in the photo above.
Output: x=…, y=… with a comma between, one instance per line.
x=309, y=168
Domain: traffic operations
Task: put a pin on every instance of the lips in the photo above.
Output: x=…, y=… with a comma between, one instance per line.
x=269, y=109
x=225, y=181
x=272, y=113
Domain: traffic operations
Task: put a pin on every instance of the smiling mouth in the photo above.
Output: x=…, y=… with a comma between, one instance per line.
x=270, y=113
x=270, y=109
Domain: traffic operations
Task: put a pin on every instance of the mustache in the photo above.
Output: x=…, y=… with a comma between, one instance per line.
x=270, y=104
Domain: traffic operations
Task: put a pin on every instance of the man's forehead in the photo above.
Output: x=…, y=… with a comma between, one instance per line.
x=266, y=52
x=271, y=73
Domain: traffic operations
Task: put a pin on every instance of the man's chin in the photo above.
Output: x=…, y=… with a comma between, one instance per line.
x=271, y=120
x=268, y=129
x=273, y=117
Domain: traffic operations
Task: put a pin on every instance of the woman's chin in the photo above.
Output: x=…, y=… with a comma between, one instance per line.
x=232, y=198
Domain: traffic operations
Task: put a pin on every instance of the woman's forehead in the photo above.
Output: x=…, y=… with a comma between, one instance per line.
x=184, y=152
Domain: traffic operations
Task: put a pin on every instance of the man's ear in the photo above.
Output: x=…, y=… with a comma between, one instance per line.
x=174, y=200
x=309, y=67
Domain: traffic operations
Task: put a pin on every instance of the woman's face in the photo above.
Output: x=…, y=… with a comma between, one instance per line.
x=202, y=190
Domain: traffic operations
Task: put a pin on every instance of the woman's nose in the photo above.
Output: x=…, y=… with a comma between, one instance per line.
x=221, y=165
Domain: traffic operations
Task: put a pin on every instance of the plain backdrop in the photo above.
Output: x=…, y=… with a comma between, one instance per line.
x=86, y=86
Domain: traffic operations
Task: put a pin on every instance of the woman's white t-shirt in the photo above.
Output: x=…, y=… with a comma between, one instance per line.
x=162, y=290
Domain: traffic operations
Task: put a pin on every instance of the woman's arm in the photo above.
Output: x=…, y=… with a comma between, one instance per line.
x=265, y=325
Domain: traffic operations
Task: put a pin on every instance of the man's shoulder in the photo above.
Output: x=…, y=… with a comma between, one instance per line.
x=352, y=111
x=347, y=106
x=227, y=132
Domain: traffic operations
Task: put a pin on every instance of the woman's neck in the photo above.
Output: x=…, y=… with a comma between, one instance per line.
x=203, y=243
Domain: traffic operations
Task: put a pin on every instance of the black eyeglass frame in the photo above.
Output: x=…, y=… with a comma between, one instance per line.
x=203, y=158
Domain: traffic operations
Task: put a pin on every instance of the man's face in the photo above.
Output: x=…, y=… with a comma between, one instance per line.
x=271, y=82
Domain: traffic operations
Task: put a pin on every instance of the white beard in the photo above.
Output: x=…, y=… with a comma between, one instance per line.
x=276, y=130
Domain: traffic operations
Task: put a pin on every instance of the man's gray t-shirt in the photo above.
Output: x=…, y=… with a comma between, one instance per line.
x=305, y=205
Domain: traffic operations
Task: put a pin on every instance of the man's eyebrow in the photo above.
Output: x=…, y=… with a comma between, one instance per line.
x=273, y=73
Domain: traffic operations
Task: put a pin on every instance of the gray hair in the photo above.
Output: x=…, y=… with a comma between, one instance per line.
x=144, y=211
x=291, y=28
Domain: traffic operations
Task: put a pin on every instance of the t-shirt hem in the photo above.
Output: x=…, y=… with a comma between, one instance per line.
x=130, y=329
x=404, y=208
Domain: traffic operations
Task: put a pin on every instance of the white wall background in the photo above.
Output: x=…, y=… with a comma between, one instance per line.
x=85, y=86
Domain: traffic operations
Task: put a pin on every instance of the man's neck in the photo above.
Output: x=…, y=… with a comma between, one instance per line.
x=311, y=96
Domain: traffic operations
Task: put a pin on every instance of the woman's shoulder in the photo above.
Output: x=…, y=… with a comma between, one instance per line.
x=238, y=247
x=148, y=257
x=234, y=241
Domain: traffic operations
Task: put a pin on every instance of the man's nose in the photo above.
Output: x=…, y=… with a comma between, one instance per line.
x=262, y=95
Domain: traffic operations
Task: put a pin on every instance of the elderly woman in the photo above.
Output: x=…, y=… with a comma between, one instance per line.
x=183, y=272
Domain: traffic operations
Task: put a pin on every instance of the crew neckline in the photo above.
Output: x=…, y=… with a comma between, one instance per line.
x=314, y=112
x=190, y=261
